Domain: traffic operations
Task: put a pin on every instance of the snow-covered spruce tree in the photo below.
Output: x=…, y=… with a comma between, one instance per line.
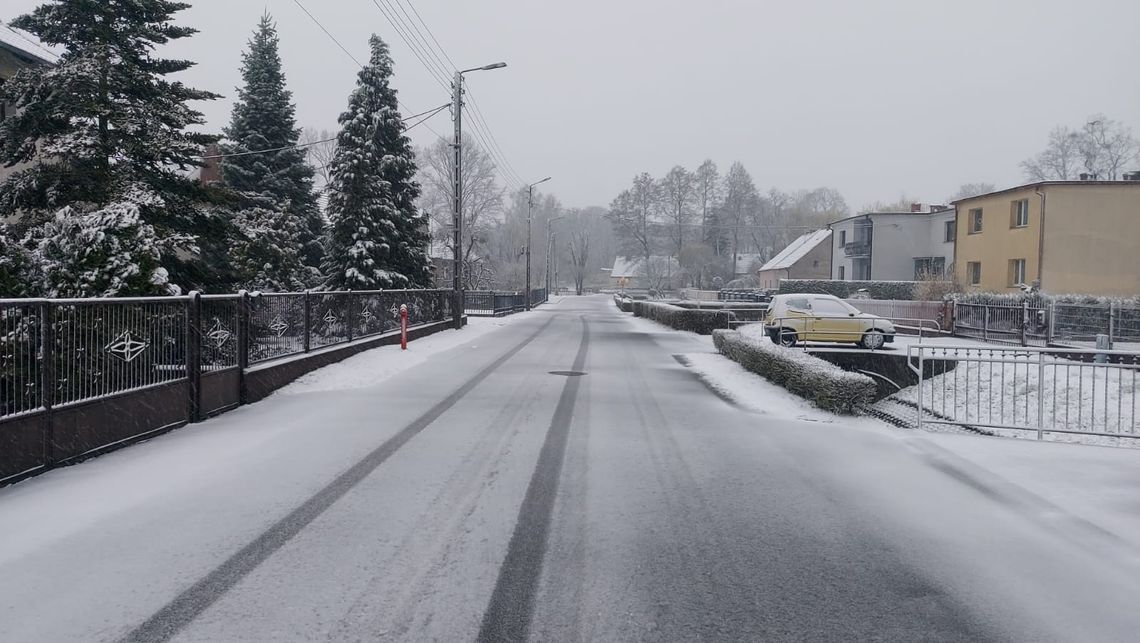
x=105, y=133
x=264, y=119
x=269, y=257
x=376, y=238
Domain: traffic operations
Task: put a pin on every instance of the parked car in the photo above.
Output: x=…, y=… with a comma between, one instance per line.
x=824, y=318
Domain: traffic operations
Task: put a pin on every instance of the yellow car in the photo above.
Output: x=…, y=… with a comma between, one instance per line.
x=824, y=318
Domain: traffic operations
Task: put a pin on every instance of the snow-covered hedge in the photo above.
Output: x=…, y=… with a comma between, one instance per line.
x=848, y=289
x=625, y=304
x=822, y=383
x=703, y=322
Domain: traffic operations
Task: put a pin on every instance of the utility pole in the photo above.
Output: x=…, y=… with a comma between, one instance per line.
x=529, y=216
x=457, y=190
x=457, y=186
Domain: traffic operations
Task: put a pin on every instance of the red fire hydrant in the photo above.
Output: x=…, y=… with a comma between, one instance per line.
x=403, y=327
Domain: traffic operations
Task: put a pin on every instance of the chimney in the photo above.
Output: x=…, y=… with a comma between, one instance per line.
x=1088, y=177
x=916, y=207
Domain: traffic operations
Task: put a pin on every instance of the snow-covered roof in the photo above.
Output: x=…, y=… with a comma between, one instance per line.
x=635, y=266
x=796, y=250
x=23, y=49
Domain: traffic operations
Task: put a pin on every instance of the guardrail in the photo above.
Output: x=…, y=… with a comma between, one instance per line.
x=1043, y=390
x=79, y=375
x=492, y=303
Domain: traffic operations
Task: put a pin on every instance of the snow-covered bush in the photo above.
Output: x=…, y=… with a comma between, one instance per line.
x=847, y=289
x=702, y=322
x=624, y=304
x=20, y=275
x=102, y=253
x=822, y=383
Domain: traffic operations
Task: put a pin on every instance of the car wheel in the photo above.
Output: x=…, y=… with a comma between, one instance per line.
x=873, y=339
x=787, y=337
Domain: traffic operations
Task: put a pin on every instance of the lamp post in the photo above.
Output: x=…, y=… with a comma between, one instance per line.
x=550, y=252
x=529, y=209
x=457, y=186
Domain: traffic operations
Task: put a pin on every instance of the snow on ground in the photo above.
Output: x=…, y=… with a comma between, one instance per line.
x=374, y=366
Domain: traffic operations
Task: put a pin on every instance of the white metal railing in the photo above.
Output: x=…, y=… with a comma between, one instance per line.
x=1046, y=390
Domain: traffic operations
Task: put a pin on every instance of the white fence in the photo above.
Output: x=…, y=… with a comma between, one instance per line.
x=1028, y=389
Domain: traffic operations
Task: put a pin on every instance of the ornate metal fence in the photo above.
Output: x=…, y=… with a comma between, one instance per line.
x=57, y=352
x=492, y=303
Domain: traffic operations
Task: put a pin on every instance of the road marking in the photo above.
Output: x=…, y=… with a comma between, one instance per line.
x=511, y=607
x=178, y=613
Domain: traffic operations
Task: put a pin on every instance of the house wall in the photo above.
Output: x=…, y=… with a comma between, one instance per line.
x=838, y=258
x=1092, y=239
x=998, y=242
x=771, y=278
x=899, y=239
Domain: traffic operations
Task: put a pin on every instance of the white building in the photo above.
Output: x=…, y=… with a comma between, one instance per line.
x=893, y=246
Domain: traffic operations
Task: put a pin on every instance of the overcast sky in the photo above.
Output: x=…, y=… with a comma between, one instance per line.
x=873, y=97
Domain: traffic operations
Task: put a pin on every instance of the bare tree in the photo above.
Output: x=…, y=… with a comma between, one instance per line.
x=707, y=188
x=741, y=203
x=678, y=191
x=319, y=151
x=579, y=247
x=968, y=190
x=482, y=200
x=1106, y=146
x=634, y=215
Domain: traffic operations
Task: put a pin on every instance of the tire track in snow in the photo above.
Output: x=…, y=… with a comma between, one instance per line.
x=509, y=612
x=178, y=613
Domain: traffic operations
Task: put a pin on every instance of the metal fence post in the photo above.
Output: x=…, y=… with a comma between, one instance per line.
x=918, y=391
x=243, y=344
x=1050, y=323
x=308, y=321
x=349, y=317
x=1024, y=323
x=1111, y=322
x=194, y=354
x=986, y=323
x=1041, y=395
x=48, y=378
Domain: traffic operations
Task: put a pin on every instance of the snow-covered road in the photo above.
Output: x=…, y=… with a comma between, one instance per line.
x=484, y=490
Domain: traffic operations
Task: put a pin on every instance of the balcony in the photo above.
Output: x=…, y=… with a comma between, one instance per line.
x=857, y=249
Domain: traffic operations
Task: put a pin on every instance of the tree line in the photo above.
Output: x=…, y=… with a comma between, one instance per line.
x=102, y=201
x=703, y=222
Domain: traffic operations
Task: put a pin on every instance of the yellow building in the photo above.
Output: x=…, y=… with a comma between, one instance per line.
x=1066, y=236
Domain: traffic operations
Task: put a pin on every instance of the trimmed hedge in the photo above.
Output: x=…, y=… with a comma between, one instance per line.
x=822, y=383
x=624, y=304
x=846, y=289
x=703, y=322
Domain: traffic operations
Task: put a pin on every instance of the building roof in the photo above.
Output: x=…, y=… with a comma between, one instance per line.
x=892, y=214
x=8, y=42
x=1040, y=184
x=635, y=266
x=796, y=250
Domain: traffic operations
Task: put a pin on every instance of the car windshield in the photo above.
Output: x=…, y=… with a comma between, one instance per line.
x=398, y=320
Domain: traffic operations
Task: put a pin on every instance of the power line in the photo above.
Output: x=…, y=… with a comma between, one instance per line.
x=428, y=114
x=427, y=46
x=349, y=54
x=426, y=27
x=410, y=41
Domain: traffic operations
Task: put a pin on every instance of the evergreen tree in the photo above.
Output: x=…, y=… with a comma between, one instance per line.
x=105, y=132
x=376, y=238
x=264, y=119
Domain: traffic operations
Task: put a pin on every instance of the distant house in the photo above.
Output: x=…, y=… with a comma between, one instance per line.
x=13, y=58
x=630, y=272
x=808, y=257
x=746, y=264
x=894, y=246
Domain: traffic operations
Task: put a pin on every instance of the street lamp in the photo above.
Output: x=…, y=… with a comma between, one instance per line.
x=457, y=185
x=529, y=208
x=550, y=252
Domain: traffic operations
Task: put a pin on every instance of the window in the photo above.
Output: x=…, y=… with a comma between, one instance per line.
x=1019, y=213
x=842, y=238
x=1016, y=272
x=800, y=303
x=926, y=267
x=829, y=307
x=974, y=272
x=975, y=221
x=842, y=273
x=951, y=231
